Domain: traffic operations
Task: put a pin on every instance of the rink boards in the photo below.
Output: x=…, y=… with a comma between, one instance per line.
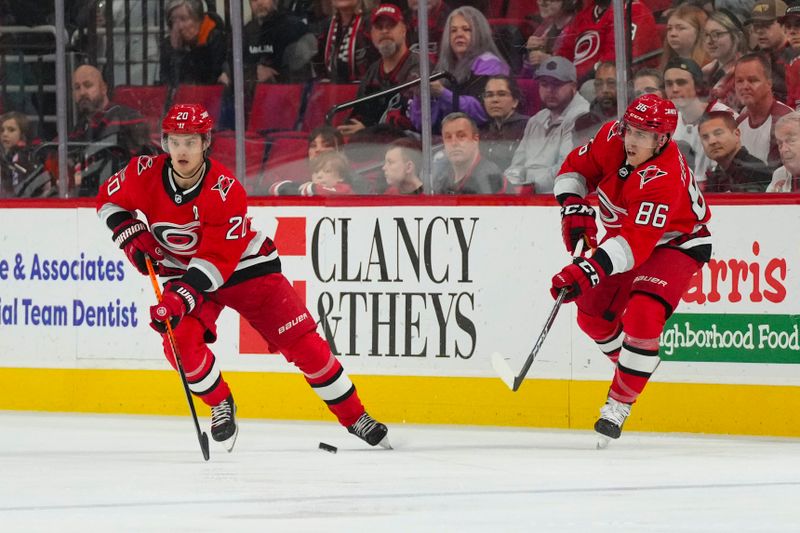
x=414, y=296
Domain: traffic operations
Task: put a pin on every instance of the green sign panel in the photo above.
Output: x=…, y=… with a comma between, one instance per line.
x=726, y=338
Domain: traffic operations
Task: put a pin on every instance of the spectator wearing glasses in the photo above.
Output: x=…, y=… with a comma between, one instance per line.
x=725, y=42
x=733, y=169
x=548, y=135
x=604, y=106
x=469, y=55
x=648, y=81
x=787, y=133
x=556, y=14
x=501, y=135
x=771, y=40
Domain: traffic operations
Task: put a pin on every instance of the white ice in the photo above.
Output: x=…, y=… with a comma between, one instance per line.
x=97, y=473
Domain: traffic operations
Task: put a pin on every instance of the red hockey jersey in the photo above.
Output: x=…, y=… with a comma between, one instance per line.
x=204, y=230
x=657, y=203
x=589, y=38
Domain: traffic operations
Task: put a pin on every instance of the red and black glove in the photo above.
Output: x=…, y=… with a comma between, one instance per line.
x=577, y=278
x=179, y=299
x=135, y=238
x=578, y=222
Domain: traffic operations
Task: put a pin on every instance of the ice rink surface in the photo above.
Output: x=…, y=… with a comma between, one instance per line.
x=96, y=473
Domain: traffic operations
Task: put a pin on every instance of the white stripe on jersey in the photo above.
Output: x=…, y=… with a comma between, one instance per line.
x=209, y=270
x=255, y=244
x=620, y=253
x=108, y=210
x=570, y=183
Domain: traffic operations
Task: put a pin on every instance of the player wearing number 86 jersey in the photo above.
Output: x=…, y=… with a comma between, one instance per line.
x=656, y=239
x=199, y=233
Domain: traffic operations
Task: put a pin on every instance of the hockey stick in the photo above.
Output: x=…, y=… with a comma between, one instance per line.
x=202, y=437
x=500, y=362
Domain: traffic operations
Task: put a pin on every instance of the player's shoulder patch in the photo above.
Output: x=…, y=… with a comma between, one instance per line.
x=614, y=130
x=649, y=173
x=223, y=186
x=143, y=162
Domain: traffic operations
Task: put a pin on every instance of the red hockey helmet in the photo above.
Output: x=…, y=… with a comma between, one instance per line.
x=186, y=119
x=650, y=112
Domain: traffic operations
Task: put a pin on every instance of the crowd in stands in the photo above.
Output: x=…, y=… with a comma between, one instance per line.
x=526, y=82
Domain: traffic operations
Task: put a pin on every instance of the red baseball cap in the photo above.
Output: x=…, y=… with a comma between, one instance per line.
x=390, y=11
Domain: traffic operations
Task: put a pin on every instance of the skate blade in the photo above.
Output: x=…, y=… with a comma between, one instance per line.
x=602, y=441
x=230, y=441
x=384, y=443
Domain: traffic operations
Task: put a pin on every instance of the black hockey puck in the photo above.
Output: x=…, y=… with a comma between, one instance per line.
x=328, y=448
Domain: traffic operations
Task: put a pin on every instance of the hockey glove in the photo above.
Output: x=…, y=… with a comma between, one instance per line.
x=577, y=278
x=578, y=222
x=179, y=299
x=135, y=238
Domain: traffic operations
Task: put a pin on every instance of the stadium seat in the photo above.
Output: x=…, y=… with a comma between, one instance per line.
x=512, y=8
x=275, y=107
x=531, y=102
x=223, y=149
x=209, y=96
x=324, y=96
x=148, y=100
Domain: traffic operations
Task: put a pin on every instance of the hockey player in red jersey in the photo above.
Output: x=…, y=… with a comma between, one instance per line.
x=656, y=239
x=199, y=234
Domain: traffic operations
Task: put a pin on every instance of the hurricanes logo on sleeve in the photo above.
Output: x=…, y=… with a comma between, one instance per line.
x=143, y=163
x=649, y=174
x=224, y=184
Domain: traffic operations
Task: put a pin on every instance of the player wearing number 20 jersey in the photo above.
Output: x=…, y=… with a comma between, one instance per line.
x=198, y=233
x=656, y=239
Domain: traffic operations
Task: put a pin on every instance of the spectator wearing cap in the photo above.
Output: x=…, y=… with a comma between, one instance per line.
x=771, y=40
x=464, y=171
x=396, y=66
x=791, y=24
x=548, y=135
x=604, y=106
x=733, y=168
x=502, y=134
x=469, y=55
x=753, y=79
x=725, y=42
x=787, y=133
x=684, y=85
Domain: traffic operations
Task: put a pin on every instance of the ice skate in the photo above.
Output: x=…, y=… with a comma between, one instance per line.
x=371, y=431
x=223, y=423
x=612, y=417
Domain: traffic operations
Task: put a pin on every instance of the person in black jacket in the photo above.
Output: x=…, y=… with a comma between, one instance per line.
x=278, y=47
x=196, y=48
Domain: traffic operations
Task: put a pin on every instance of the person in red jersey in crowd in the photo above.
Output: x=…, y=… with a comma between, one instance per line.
x=331, y=175
x=198, y=233
x=656, y=239
x=589, y=38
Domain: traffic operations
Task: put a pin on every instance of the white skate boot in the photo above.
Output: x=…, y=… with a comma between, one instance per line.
x=612, y=417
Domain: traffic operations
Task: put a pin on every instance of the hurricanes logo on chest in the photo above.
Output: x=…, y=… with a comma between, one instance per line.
x=179, y=239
